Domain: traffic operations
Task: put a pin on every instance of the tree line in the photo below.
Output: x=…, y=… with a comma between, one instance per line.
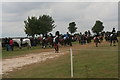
x=45, y=24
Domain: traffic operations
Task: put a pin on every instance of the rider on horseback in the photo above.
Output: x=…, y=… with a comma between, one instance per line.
x=96, y=40
x=113, y=37
x=44, y=43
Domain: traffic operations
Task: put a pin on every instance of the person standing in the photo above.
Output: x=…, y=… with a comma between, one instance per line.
x=7, y=44
x=11, y=44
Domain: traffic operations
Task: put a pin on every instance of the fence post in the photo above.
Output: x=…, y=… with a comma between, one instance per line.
x=71, y=59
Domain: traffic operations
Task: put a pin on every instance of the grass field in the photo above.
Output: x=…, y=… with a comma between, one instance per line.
x=20, y=52
x=89, y=62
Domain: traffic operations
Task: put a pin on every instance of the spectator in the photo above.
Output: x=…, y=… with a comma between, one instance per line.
x=11, y=44
x=7, y=44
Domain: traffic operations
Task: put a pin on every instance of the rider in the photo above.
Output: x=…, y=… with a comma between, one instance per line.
x=113, y=31
x=51, y=39
x=96, y=40
x=57, y=33
x=44, y=41
x=113, y=37
x=56, y=41
x=69, y=38
x=51, y=35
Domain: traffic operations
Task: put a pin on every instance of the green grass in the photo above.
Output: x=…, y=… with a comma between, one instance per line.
x=23, y=51
x=100, y=64
x=49, y=69
x=18, y=52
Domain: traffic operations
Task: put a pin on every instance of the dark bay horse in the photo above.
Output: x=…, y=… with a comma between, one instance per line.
x=113, y=39
x=47, y=42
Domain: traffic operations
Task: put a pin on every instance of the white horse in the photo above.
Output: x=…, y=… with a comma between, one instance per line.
x=18, y=41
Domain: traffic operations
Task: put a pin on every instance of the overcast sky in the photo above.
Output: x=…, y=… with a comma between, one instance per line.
x=84, y=14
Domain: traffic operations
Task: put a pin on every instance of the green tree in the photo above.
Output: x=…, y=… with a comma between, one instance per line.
x=98, y=27
x=31, y=26
x=72, y=27
x=46, y=24
x=41, y=25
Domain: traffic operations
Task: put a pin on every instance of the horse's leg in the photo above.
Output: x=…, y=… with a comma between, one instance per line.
x=28, y=46
x=46, y=44
x=57, y=48
x=114, y=43
x=20, y=46
x=43, y=44
x=117, y=40
x=96, y=44
x=110, y=42
x=52, y=44
x=49, y=43
x=78, y=41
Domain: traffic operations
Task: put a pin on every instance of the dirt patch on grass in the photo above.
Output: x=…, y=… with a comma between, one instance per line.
x=19, y=62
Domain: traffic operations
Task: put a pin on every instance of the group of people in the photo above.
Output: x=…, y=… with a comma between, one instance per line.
x=111, y=37
x=65, y=39
x=54, y=41
x=9, y=44
x=84, y=38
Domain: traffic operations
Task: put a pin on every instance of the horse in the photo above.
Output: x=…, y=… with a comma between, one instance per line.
x=63, y=40
x=113, y=39
x=50, y=41
x=83, y=39
x=88, y=38
x=21, y=42
x=47, y=41
x=101, y=39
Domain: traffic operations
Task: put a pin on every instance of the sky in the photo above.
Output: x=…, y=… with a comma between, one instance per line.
x=84, y=14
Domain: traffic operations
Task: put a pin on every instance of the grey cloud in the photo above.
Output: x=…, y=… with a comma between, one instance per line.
x=21, y=7
x=16, y=11
x=83, y=13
